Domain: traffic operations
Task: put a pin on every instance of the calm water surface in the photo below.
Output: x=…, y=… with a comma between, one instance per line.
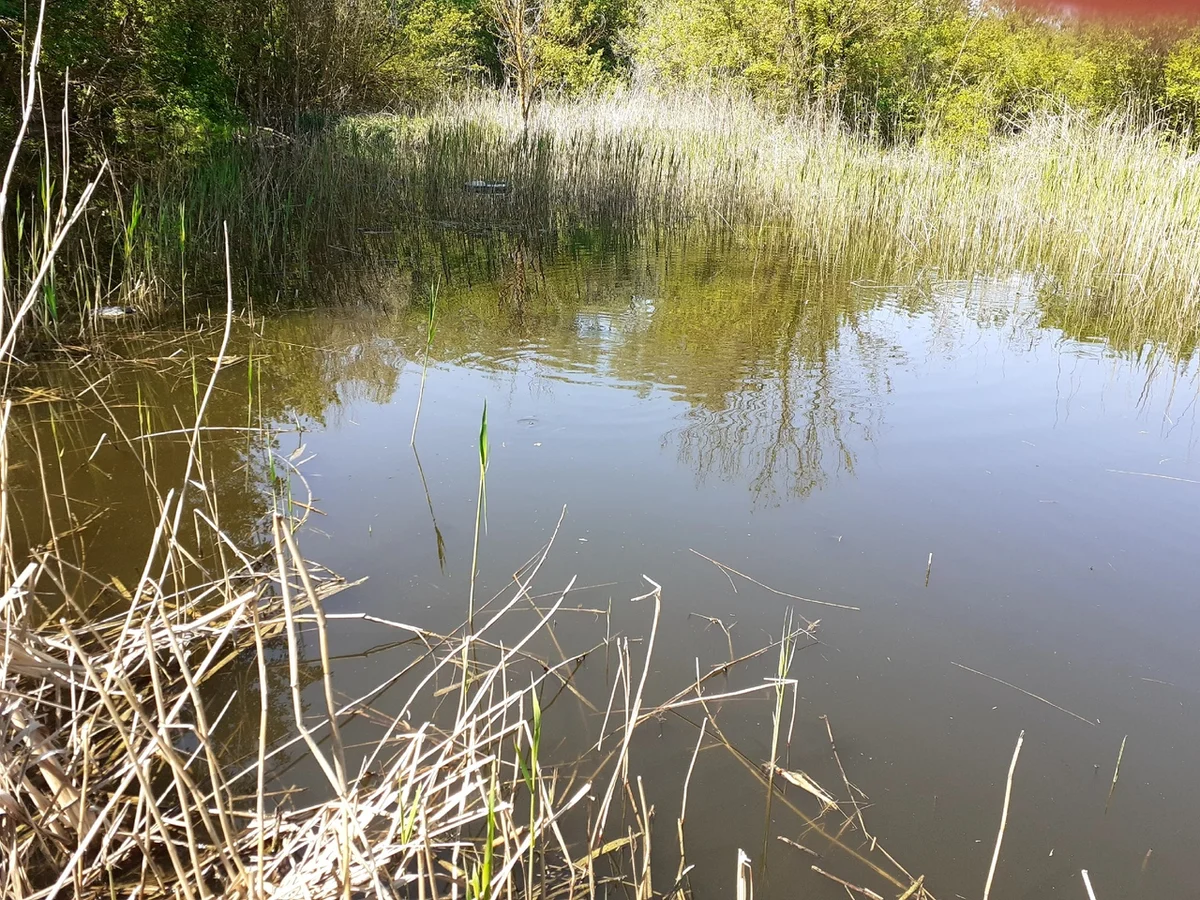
x=822, y=436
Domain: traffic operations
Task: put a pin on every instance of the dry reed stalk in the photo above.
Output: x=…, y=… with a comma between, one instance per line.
x=811, y=823
x=621, y=772
x=745, y=877
x=729, y=569
x=850, y=788
x=687, y=780
x=1087, y=883
x=1116, y=772
x=987, y=888
x=852, y=888
x=1040, y=699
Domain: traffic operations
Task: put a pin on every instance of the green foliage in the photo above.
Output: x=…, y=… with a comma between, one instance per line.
x=579, y=42
x=483, y=442
x=900, y=68
x=439, y=43
x=154, y=75
x=1181, y=77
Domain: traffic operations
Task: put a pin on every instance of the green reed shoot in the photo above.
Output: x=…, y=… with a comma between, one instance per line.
x=531, y=774
x=250, y=387
x=480, y=511
x=480, y=883
x=50, y=296
x=480, y=518
x=183, y=259
x=131, y=225
x=410, y=819
x=430, y=331
x=46, y=196
x=787, y=652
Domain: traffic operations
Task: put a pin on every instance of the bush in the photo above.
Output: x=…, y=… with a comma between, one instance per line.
x=1181, y=83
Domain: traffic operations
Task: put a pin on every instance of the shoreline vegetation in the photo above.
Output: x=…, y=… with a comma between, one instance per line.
x=882, y=138
x=1101, y=214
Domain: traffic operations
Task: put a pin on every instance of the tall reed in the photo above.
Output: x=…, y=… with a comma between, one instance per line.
x=1099, y=210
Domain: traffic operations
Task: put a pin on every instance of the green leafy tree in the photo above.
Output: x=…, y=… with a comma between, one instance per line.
x=580, y=43
x=1181, y=83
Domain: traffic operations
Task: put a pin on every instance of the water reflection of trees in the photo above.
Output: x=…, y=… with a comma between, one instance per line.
x=783, y=403
x=776, y=361
x=781, y=373
x=783, y=368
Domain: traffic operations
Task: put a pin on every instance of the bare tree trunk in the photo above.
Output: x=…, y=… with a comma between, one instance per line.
x=516, y=24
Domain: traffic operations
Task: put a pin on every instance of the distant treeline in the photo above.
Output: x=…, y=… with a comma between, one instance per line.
x=148, y=76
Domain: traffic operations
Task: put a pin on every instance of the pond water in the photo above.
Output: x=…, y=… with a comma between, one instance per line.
x=988, y=492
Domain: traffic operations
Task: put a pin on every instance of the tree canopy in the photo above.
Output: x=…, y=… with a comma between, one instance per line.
x=149, y=74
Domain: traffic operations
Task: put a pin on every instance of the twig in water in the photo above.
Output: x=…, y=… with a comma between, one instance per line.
x=1154, y=475
x=712, y=620
x=928, y=569
x=806, y=783
x=801, y=847
x=850, y=789
x=727, y=569
x=1087, y=883
x=866, y=892
x=1116, y=772
x=987, y=888
x=1025, y=692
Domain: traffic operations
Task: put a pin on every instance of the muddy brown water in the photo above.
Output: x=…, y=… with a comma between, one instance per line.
x=820, y=434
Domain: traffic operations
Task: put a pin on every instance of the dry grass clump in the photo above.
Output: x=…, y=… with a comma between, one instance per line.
x=115, y=784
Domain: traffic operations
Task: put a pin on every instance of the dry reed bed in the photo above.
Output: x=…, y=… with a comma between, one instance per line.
x=1104, y=212
x=1105, y=209
x=114, y=781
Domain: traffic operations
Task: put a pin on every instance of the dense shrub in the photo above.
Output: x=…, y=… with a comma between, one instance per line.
x=152, y=74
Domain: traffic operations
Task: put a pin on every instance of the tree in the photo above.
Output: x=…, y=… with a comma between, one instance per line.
x=516, y=25
x=1181, y=89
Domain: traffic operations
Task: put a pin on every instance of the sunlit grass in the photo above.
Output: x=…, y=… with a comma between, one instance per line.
x=1103, y=213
